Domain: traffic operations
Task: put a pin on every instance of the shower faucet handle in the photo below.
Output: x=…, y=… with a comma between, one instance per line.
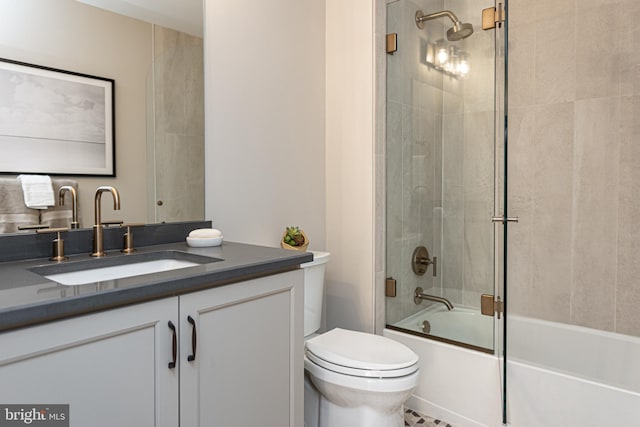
x=420, y=261
x=505, y=219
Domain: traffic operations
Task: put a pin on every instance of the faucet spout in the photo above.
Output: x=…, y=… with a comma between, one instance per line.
x=74, y=201
x=418, y=296
x=98, y=243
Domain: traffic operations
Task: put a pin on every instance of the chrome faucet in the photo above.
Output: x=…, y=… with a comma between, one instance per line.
x=98, y=244
x=74, y=200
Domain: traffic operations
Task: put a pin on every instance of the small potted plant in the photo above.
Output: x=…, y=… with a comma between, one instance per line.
x=294, y=239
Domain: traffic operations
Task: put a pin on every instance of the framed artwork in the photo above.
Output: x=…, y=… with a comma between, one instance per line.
x=55, y=122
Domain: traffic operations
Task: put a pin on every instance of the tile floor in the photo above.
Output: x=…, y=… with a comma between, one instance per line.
x=416, y=419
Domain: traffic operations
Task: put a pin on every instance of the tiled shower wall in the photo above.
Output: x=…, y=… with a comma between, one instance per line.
x=177, y=83
x=467, y=166
x=574, y=137
x=439, y=161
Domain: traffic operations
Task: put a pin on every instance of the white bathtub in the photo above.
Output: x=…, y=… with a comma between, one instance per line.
x=558, y=376
x=460, y=324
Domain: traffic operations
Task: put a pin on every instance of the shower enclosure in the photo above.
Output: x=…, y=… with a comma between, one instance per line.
x=573, y=294
x=444, y=169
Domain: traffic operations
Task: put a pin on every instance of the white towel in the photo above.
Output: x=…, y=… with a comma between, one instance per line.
x=37, y=191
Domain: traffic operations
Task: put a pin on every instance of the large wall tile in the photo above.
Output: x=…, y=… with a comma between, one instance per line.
x=520, y=198
x=555, y=63
x=628, y=263
x=520, y=13
x=597, y=52
x=478, y=205
x=545, y=9
x=452, y=260
x=478, y=86
x=179, y=124
x=194, y=86
x=552, y=207
x=522, y=65
x=629, y=52
x=595, y=203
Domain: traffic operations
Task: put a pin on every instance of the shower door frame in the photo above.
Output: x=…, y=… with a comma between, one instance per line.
x=499, y=286
x=501, y=195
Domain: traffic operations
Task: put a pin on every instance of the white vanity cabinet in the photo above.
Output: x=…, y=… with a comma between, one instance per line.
x=248, y=368
x=110, y=367
x=113, y=367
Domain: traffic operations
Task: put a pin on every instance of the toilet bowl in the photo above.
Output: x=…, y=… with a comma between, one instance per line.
x=352, y=378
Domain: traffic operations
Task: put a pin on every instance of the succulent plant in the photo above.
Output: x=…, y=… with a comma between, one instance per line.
x=293, y=236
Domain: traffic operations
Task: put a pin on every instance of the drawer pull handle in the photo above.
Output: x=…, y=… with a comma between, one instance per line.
x=194, y=338
x=174, y=345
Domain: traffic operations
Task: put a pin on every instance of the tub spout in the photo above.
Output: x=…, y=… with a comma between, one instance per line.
x=418, y=296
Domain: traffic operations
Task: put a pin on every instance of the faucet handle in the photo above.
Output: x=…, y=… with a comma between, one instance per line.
x=33, y=227
x=58, y=243
x=128, y=237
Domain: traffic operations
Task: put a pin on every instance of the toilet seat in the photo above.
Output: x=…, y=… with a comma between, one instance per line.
x=365, y=373
x=360, y=354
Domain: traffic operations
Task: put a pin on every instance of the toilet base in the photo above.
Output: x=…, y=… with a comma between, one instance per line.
x=347, y=401
x=332, y=415
x=311, y=403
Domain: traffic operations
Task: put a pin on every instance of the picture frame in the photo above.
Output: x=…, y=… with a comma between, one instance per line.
x=55, y=122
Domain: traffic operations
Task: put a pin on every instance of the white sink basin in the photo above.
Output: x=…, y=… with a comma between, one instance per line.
x=118, y=271
x=120, y=267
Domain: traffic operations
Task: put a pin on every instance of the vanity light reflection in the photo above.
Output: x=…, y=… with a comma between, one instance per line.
x=449, y=59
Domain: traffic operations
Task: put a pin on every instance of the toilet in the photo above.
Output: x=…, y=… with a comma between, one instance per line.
x=352, y=379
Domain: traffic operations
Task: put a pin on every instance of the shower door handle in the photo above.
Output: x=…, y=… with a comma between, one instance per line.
x=504, y=219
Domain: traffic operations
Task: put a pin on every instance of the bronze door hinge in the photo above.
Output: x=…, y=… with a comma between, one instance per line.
x=490, y=306
x=493, y=16
x=390, y=287
x=392, y=43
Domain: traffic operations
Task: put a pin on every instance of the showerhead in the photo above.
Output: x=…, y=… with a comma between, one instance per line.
x=459, y=30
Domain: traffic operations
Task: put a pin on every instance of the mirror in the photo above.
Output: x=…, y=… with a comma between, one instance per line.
x=159, y=95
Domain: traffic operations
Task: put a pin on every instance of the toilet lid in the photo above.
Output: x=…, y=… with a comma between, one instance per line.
x=361, y=354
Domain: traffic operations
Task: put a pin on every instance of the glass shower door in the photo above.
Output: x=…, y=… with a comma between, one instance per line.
x=441, y=173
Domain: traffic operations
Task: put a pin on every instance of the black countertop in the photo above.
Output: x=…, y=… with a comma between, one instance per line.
x=28, y=298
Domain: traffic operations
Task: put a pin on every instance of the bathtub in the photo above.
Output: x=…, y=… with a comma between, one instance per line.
x=460, y=324
x=558, y=375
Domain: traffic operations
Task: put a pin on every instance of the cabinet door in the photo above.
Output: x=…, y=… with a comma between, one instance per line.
x=248, y=367
x=110, y=367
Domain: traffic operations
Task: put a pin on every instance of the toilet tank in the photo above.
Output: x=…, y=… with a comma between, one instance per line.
x=314, y=291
